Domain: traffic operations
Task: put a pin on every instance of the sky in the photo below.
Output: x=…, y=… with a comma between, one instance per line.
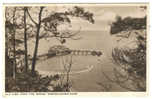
x=103, y=15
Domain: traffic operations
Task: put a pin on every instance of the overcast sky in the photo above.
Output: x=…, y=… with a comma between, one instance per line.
x=103, y=15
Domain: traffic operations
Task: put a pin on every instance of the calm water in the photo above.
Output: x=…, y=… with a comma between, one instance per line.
x=88, y=80
x=90, y=40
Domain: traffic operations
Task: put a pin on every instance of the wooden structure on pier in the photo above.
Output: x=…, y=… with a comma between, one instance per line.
x=85, y=52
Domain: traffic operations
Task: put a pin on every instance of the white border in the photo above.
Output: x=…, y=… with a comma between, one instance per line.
x=74, y=1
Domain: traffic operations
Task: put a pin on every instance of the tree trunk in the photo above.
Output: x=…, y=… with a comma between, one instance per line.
x=67, y=88
x=14, y=45
x=37, y=41
x=25, y=40
x=6, y=53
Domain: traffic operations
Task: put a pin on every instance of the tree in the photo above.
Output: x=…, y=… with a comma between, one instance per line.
x=130, y=72
x=128, y=23
x=10, y=35
x=51, y=23
x=14, y=23
x=67, y=63
x=14, y=42
x=38, y=25
x=58, y=18
x=25, y=39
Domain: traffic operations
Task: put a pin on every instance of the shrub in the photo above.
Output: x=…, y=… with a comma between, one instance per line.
x=26, y=82
x=128, y=23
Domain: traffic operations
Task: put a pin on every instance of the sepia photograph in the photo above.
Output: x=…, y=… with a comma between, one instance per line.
x=76, y=47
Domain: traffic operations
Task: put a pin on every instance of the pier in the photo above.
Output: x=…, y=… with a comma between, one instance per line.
x=85, y=52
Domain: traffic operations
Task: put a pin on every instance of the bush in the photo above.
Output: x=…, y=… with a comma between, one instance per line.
x=8, y=66
x=128, y=23
x=133, y=63
x=130, y=70
x=26, y=82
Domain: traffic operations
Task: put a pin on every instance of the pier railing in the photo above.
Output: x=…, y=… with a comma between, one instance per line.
x=85, y=52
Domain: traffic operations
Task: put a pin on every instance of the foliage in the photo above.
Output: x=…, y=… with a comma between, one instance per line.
x=130, y=70
x=135, y=58
x=57, y=18
x=133, y=64
x=26, y=82
x=18, y=22
x=80, y=12
x=131, y=61
x=128, y=23
x=9, y=66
